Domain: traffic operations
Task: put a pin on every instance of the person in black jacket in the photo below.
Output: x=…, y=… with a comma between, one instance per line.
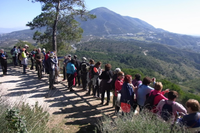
x=3, y=60
x=78, y=68
x=51, y=67
x=105, y=86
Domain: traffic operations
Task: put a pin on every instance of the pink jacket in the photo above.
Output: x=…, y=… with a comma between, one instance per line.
x=176, y=107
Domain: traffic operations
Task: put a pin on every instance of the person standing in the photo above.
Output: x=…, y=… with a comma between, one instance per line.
x=14, y=55
x=43, y=61
x=51, y=68
x=106, y=77
x=127, y=95
x=19, y=53
x=77, y=65
x=32, y=58
x=24, y=60
x=70, y=73
x=39, y=57
x=84, y=70
x=67, y=59
x=90, y=76
x=3, y=61
x=97, y=71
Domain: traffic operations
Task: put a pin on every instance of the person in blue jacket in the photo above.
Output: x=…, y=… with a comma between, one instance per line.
x=70, y=73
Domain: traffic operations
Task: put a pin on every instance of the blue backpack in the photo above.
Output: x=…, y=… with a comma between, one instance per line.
x=167, y=111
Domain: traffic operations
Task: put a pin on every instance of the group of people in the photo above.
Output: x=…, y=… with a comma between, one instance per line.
x=129, y=93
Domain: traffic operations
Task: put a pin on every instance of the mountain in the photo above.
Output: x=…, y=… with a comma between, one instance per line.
x=110, y=25
x=108, y=22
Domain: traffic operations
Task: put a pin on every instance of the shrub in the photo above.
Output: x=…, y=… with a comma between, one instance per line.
x=144, y=122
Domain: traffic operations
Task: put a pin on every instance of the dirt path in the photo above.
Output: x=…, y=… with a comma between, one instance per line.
x=72, y=111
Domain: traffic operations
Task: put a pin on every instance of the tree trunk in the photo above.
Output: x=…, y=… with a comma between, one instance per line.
x=54, y=40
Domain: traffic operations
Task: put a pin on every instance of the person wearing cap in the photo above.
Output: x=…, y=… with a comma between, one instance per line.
x=51, y=68
x=84, y=69
x=24, y=60
x=67, y=59
x=77, y=65
x=3, y=61
x=26, y=49
x=39, y=57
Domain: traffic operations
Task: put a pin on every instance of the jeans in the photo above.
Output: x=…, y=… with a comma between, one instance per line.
x=14, y=61
x=24, y=68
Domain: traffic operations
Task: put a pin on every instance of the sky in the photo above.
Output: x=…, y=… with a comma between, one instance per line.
x=178, y=16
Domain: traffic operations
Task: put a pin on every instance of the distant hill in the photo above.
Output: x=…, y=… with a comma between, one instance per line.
x=110, y=25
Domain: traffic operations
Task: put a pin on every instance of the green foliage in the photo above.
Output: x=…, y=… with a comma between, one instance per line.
x=22, y=44
x=145, y=122
x=16, y=123
x=24, y=118
x=58, y=17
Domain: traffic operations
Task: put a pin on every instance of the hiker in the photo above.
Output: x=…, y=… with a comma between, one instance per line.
x=67, y=59
x=3, y=61
x=19, y=53
x=90, y=75
x=46, y=67
x=84, y=69
x=77, y=65
x=43, y=61
x=136, y=82
x=192, y=119
x=168, y=108
x=51, y=68
x=118, y=86
x=39, y=57
x=158, y=95
x=56, y=67
x=127, y=94
x=96, y=71
x=105, y=86
x=70, y=74
x=24, y=60
x=143, y=90
x=113, y=83
x=26, y=49
x=32, y=55
x=14, y=54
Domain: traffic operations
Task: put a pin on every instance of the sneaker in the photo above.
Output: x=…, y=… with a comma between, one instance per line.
x=71, y=90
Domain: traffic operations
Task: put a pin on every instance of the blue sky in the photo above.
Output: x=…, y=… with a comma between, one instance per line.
x=179, y=16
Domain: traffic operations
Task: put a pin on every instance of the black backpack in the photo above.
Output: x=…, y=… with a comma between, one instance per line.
x=84, y=68
x=150, y=101
x=12, y=51
x=166, y=112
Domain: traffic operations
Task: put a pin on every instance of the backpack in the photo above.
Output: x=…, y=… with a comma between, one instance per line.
x=150, y=101
x=166, y=112
x=91, y=72
x=12, y=51
x=84, y=68
x=20, y=57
